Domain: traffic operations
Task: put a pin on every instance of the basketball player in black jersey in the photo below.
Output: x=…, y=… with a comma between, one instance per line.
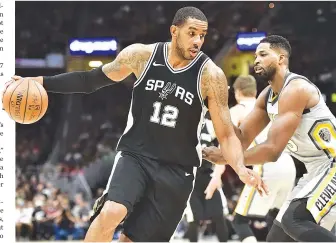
x=159, y=152
x=206, y=199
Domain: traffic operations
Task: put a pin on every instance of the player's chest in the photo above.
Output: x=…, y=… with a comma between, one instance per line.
x=170, y=91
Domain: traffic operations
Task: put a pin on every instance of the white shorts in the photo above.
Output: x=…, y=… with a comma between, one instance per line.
x=320, y=190
x=279, y=177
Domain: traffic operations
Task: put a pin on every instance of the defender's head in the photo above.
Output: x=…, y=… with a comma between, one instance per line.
x=272, y=53
x=188, y=30
x=245, y=87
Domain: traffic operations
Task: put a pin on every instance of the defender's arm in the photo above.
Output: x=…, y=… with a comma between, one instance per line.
x=292, y=102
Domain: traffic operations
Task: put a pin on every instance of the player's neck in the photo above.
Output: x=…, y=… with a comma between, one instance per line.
x=174, y=59
x=279, y=79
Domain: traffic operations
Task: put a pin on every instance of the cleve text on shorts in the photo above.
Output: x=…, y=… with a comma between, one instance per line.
x=327, y=194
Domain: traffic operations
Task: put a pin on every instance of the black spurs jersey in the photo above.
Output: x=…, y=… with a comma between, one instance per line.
x=208, y=138
x=167, y=111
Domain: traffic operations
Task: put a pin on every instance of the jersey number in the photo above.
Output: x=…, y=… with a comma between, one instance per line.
x=323, y=135
x=169, y=116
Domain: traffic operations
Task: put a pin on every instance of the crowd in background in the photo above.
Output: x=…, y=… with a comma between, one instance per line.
x=46, y=211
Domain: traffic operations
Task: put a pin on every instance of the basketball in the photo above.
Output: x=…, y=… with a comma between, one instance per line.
x=25, y=101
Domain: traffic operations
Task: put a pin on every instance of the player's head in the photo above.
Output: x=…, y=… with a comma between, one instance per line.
x=188, y=30
x=272, y=52
x=245, y=87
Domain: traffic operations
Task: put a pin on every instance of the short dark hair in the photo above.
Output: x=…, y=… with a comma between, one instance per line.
x=188, y=12
x=277, y=41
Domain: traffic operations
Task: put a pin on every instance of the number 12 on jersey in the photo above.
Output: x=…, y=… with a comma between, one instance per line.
x=168, y=116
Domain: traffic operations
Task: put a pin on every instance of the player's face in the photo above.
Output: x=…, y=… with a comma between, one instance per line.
x=266, y=62
x=190, y=38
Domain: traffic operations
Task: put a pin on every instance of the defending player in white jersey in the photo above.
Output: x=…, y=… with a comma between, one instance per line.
x=279, y=176
x=302, y=122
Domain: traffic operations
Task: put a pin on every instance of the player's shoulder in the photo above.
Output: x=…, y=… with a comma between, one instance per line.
x=298, y=88
x=211, y=68
x=139, y=48
x=299, y=83
x=212, y=72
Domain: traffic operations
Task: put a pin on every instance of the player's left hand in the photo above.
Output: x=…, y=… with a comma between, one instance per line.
x=251, y=178
x=213, y=155
x=213, y=185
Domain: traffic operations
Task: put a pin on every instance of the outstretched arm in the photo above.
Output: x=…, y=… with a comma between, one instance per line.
x=292, y=102
x=131, y=59
x=249, y=128
x=214, y=85
x=217, y=93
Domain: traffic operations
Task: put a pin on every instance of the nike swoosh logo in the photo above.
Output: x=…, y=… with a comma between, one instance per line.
x=187, y=174
x=157, y=64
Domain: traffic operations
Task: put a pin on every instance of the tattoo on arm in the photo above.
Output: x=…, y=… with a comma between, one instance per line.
x=132, y=59
x=217, y=93
x=217, y=85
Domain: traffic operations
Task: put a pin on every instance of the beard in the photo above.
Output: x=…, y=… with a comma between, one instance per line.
x=180, y=50
x=266, y=75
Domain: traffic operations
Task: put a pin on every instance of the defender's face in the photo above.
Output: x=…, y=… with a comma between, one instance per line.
x=266, y=61
x=190, y=37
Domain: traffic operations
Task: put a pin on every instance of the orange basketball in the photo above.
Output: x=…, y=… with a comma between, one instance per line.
x=26, y=101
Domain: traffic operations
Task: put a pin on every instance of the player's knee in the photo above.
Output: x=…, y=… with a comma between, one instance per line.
x=112, y=214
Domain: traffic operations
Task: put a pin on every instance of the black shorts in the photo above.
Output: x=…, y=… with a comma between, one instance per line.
x=155, y=195
x=201, y=208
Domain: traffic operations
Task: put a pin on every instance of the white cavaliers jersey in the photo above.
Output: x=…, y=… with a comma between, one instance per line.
x=314, y=141
x=284, y=167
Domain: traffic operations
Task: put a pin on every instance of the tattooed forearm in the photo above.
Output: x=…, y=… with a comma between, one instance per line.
x=132, y=59
x=217, y=94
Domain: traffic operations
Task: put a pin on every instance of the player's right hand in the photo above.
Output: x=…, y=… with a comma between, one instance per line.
x=213, y=155
x=251, y=178
x=14, y=78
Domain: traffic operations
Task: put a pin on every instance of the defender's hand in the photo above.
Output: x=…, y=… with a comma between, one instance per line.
x=213, y=154
x=251, y=178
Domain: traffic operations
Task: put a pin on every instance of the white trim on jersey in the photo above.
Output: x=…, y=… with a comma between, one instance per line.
x=178, y=70
x=146, y=67
x=204, y=110
x=116, y=160
x=130, y=119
